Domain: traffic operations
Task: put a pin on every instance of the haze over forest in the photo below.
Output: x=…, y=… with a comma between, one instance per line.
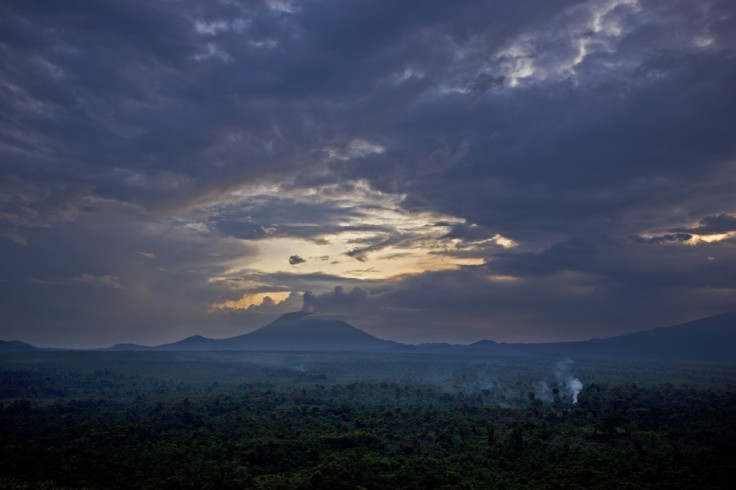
x=428, y=171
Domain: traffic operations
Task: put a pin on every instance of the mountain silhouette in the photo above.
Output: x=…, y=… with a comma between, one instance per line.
x=297, y=331
x=708, y=340
x=14, y=345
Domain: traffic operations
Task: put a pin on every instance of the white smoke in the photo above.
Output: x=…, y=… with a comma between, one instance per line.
x=571, y=385
x=544, y=392
x=575, y=386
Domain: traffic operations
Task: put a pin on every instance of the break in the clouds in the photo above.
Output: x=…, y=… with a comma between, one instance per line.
x=531, y=170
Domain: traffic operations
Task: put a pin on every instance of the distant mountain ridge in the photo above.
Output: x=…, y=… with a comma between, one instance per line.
x=709, y=340
x=298, y=331
x=10, y=345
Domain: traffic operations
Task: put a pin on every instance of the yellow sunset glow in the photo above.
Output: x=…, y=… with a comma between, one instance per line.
x=249, y=300
x=718, y=237
x=377, y=239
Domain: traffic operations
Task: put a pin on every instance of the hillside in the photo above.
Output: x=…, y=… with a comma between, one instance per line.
x=710, y=340
x=14, y=345
x=707, y=340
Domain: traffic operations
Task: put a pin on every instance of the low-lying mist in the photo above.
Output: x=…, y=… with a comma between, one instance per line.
x=513, y=380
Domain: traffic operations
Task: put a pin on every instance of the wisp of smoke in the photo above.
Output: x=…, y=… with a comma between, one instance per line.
x=572, y=386
x=544, y=392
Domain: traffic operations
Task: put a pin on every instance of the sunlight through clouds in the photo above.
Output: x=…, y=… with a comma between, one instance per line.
x=253, y=300
x=717, y=237
x=372, y=236
x=488, y=166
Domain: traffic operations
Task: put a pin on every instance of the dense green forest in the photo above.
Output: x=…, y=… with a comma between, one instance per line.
x=249, y=420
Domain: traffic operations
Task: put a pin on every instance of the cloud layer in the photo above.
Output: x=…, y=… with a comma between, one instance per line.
x=531, y=170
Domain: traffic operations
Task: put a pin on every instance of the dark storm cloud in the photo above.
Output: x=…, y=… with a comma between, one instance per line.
x=545, y=160
x=602, y=292
x=566, y=126
x=714, y=224
x=124, y=97
x=668, y=237
x=467, y=232
x=164, y=110
x=375, y=244
x=483, y=83
x=627, y=265
x=294, y=281
x=107, y=277
x=272, y=216
x=557, y=156
x=295, y=259
x=336, y=300
x=708, y=225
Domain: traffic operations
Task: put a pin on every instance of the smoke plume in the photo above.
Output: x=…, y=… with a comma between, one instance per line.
x=567, y=383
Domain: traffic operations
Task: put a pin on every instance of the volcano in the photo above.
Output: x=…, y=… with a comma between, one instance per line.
x=297, y=331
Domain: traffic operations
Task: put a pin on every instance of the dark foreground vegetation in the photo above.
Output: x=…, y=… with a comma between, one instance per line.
x=240, y=420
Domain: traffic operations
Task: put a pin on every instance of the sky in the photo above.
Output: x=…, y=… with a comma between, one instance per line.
x=429, y=171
